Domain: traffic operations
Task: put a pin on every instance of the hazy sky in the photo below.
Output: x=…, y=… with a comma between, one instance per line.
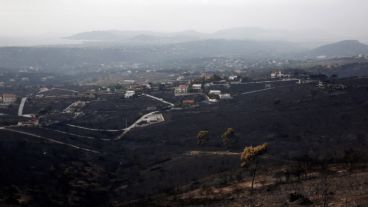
x=346, y=18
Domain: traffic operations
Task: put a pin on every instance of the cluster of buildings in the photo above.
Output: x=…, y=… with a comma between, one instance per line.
x=185, y=89
x=279, y=74
x=208, y=86
x=190, y=89
x=7, y=98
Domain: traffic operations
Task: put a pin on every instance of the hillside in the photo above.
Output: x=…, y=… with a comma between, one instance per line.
x=346, y=48
x=308, y=129
x=55, y=57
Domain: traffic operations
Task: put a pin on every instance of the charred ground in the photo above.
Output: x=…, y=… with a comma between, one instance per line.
x=163, y=164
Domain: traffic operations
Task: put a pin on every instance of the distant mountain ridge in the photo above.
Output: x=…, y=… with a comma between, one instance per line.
x=137, y=36
x=241, y=33
x=346, y=48
x=237, y=33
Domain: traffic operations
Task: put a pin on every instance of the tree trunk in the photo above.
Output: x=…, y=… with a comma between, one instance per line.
x=254, y=172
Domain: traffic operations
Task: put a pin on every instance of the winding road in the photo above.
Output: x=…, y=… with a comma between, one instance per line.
x=159, y=99
x=91, y=129
x=50, y=140
x=21, y=106
x=256, y=91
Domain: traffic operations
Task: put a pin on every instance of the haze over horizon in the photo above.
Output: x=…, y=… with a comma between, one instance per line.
x=308, y=20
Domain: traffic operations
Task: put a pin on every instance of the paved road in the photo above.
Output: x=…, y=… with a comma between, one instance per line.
x=92, y=129
x=62, y=89
x=267, y=81
x=68, y=133
x=159, y=99
x=50, y=140
x=256, y=91
x=221, y=153
x=21, y=106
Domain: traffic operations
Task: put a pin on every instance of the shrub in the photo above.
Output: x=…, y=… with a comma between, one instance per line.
x=228, y=137
x=250, y=153
x=202, y=137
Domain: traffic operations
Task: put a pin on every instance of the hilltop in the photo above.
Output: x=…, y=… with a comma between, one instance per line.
x=346, y=48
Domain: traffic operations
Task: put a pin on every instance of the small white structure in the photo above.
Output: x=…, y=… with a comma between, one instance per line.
x=129, y=81
x=180, y=78
x=129, y=94
x=278, y=74
x=225, y=96
x=43, y=89
x=149, y=119
x=320, y=84
x=233, y=77
x=215, y=92
x=197, y=87
x=74, y=107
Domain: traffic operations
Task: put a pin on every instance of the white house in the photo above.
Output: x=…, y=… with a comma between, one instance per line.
x=225, y=96
x=216, y=92
x=129, y=94
x=233, y=77
x=197, y=87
